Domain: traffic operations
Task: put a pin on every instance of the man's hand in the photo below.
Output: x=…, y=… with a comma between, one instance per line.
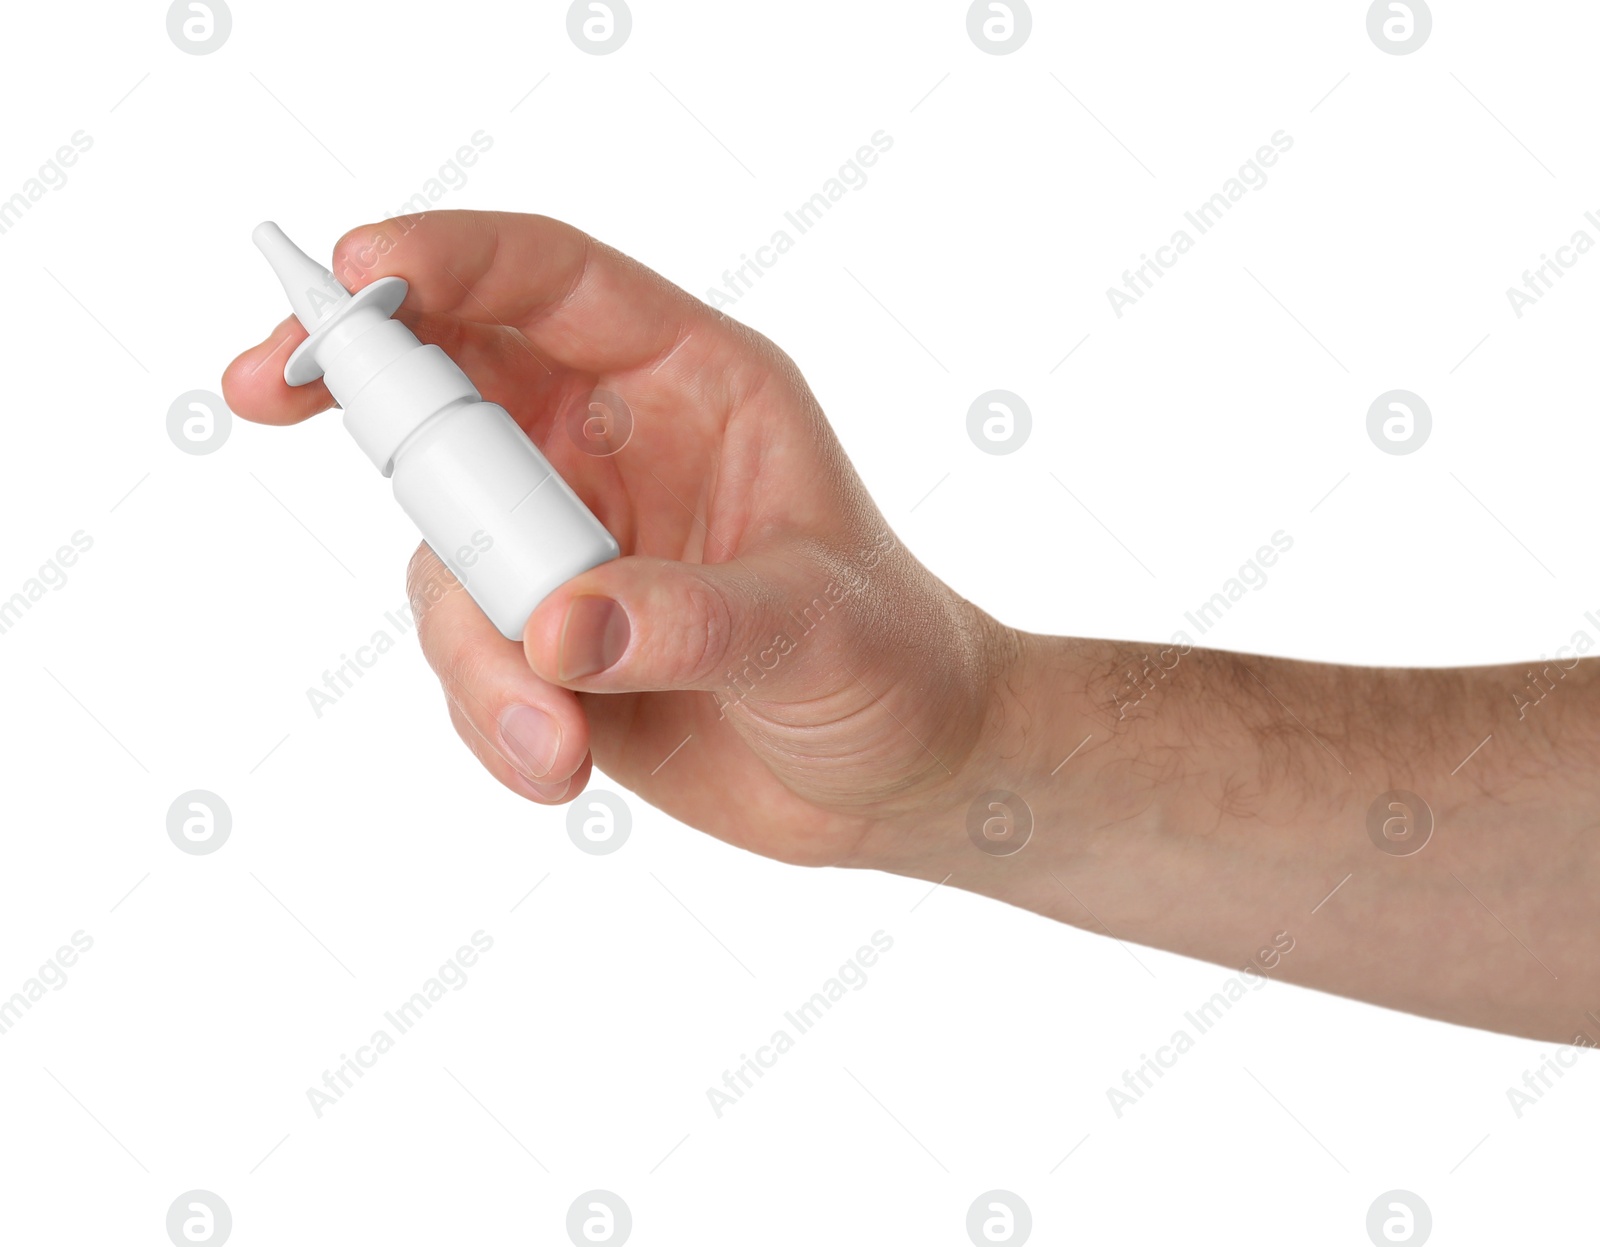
x=766, y=661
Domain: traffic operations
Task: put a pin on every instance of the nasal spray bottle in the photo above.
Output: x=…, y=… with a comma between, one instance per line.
x=487, y=502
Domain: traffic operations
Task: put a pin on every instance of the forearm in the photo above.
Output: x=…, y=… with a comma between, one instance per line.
x=1218, y=805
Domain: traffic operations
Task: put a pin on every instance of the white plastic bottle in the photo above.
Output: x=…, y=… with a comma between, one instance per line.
x=486, y=500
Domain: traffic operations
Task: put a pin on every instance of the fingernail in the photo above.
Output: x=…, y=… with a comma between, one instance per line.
x=593, y=637
x=532, y=738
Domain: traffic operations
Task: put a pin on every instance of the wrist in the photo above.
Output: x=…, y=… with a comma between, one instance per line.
x=1053, y=763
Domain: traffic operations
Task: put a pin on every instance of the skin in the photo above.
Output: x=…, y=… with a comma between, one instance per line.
x=1209, y=803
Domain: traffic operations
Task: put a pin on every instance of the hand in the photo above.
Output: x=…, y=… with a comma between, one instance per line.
x=766, y=662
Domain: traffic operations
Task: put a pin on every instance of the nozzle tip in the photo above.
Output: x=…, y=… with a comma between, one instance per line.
x=313, y=291
x=266, y=234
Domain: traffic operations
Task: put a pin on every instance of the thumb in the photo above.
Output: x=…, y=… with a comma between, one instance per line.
x=641, y=624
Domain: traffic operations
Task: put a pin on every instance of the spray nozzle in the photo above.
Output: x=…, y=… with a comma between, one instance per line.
x=331, y=315
x=314, y=293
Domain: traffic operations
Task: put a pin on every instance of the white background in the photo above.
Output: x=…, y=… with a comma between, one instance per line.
x=366, y=845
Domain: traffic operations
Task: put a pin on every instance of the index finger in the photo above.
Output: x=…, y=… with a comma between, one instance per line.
x=579, y=303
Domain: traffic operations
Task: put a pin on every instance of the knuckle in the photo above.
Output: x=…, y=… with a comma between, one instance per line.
x=422, y=560
x=461, y=677
x=427, y=582
x=705, y=642
x=449, y=650
x=471, y=735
